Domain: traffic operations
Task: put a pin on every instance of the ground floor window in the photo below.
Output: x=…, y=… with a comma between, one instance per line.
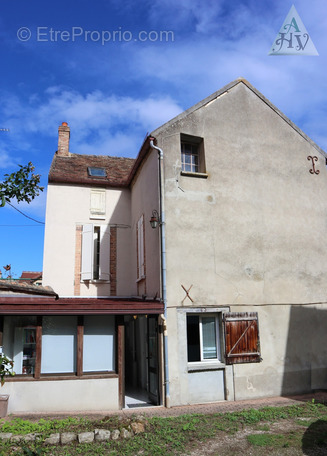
x=59, y=340
x=60, y=344
x=203, y=338
x=99, y=343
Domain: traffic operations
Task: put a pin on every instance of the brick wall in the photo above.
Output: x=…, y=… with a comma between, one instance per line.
x=63, y=140
x=113, y=261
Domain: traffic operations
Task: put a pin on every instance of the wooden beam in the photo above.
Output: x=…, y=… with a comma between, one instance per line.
x=78, y=306
x=38, y=354
x=80, y=336
x=1, y=330
x=121, y=360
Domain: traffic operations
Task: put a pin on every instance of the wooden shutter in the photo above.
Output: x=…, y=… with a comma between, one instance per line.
x=98, y=202
x=140, y=248
x=242, y=343
x=87, y=252
x=104, y=266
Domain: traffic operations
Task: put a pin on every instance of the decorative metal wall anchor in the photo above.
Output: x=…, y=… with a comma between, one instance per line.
x=313, y=160
x=187, y=293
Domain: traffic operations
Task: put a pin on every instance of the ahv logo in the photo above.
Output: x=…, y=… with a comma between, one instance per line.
x=293, y=38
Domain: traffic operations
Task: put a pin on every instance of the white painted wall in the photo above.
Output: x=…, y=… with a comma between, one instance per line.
x=68, y=206
x=144, y=199
x=51, y=396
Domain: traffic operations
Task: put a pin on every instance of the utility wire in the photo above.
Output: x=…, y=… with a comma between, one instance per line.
x=27, y=216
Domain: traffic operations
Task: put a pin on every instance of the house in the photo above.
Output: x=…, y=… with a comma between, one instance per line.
x=32, y=277
x=221, y=297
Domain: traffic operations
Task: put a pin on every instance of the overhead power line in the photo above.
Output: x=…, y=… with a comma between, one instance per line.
x=27, y=216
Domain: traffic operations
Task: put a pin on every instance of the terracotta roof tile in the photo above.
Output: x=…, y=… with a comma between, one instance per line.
x=31, y=275
x=73, y=170
x=7, y=285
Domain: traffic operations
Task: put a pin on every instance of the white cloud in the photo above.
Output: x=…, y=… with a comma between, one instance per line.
x=99, y=123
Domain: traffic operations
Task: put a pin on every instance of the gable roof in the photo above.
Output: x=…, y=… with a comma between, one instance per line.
x=224, y=90
x=11, y=287
x=31, y=275
x=120, y=171
x=73, y=170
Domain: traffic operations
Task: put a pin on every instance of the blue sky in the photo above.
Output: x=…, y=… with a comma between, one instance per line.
x=115, y=70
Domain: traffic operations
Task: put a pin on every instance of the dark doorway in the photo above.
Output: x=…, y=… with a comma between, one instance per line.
x=141, y=361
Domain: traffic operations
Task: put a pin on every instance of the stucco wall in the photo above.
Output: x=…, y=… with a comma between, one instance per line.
x=251, y=235
x=62, y=395
x=144, y=199
x=67, y=207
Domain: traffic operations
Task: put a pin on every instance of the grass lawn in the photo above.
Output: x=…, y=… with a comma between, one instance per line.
x=299, y=429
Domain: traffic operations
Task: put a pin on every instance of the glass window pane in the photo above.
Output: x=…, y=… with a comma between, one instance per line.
x=193, y=338
x=187, y=158
x=58, y=344
x=99, y=172
x=19, y=342
x=98, y=343
x=209, y=338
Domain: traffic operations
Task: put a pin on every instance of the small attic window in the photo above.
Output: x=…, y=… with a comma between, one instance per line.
x=96, y=172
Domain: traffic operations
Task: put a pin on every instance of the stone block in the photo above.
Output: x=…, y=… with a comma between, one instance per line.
x=30, y=437
x=16, y=438
x=67, y=437
x=53, y=439
x=126, y=434
x=5, y=435
x=115, y=434
x=101, y=434
x=85, y=437
x=137, y=428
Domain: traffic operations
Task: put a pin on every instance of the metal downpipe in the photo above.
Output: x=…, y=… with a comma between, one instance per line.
x=163, y=266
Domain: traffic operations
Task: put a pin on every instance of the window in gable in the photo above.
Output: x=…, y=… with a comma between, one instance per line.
x=192, y=154
x=98, y=203
x=95, y=263
x=203, y=340
x=96, y=172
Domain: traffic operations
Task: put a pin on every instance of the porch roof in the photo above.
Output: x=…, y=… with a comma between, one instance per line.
x=37, y=305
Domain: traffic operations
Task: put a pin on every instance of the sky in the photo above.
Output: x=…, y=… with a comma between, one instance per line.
x=116, y=70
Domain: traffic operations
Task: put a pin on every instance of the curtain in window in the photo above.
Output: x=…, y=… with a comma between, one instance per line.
x=98, y=344
x=59, y=344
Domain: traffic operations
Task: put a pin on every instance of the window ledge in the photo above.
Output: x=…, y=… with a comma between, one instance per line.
x=140, y=279
x=55, y=377
x=189, y=174
x=97, y=217
x=96, y=281
x=205, y=366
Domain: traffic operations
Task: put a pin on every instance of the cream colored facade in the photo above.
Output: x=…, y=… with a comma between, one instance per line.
x=68, y=206
x=246, y=235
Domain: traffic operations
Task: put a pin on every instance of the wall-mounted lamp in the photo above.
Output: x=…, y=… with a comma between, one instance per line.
x=155, y=219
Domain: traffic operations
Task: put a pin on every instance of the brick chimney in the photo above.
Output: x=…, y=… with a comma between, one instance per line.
x=63, y=140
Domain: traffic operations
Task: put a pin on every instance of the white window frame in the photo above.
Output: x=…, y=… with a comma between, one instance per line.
x=140, y=249
x=98, y=204
x=218, y=328
x=194, y=154
x=87, y=261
